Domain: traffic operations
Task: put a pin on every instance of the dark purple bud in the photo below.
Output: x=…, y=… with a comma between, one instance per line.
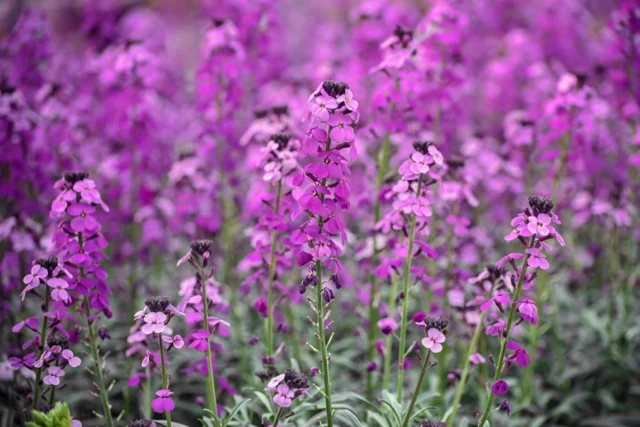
x=103, y=333
x=254, y=340
x=371, y=366
x=314, y=371
x=505, y=407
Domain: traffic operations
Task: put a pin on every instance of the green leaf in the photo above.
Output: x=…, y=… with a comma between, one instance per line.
x=233, y=411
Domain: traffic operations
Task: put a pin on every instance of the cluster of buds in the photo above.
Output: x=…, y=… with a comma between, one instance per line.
x=287, y=387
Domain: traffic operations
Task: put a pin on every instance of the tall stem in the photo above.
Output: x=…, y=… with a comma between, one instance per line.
x=211, y=384
x=386, y=373
x=43, y=338
x=425, y=365
x=272, y=270
x=507, y=334
x=383, y=163
x=465, y=371
x=405, y=299
x=323, y=344
x=163, y=371
x=95, y=353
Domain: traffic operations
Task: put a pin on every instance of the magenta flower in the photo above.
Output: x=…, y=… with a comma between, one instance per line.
x=497, y=328
x=538, y=225
x=519, y=354
x=59, y=287
x=284, y=396
x=61, y=202
x=501, y=297
x=320, y=109
x=420, y=163
x=537, y=259
x=477, y=359
x=434, y=340
x=38, y=273
x=74, y=361
x=511, y=256
x=154, y=323
x=87, y=190
x=387, y=326
x=31, y=323
x=199, y=340
x=348, y=100
x=342, y=130
x=273, y=383
x=176, y=340
x=163, y=403
x=53, y=375
x=500, y=388
x=528, y=310
x=83, y=220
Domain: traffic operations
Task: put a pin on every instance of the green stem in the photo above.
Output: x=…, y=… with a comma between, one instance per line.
x=323, y=344
x=43, y=338
x=383, y=163
x=95, y=354
x=277, y=417
x=272, y=270
x=503, y=348
x=147, y=393
x=386, y=374
x=211, y=384
x=425, y=365
x=465, y=371
x=163, y=371
x=405, y=299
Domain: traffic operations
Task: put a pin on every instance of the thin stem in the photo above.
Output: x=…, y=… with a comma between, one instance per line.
x=425, y=365
x=147, y=393
x=465, y=370
x=507, y=334
x=95, y=353
x=163, y=371
x=323, y=344
x=383, y=163
x=405, y=298
x=386, y=374
x=43, y=337
x=277, y=417
x=211, y=384
x=272, y=270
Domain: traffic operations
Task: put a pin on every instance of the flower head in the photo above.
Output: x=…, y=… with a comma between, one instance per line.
x=163, y=403
x=434, y=340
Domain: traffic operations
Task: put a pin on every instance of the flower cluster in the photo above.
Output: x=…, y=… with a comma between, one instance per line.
x=323, y=188
x=287, y=387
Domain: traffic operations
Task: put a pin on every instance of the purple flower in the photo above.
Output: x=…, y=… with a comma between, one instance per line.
x=284, y=396
x=511, y=256
x=53, y=376
x=83, y=220
x=31, y=323
x=434, y=340
x=501, y=297
x=199, y=340
x=477, y=359
x=537, y=259
x=387, y=325
x=528, y=310
x=37, y=274
x=520, y=354
x=59, y=287
x=163, y=403
x=500, y=388
x=538, y=225
x=176, y=340
x=74, y=361
x=154, y=323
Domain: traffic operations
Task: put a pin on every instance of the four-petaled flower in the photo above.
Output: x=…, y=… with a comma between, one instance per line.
x=83, y=220
x=154, y=323
x=537, y=259
x=284, y=396
x=528, y=310
x=163, y=403
x=538, y=225
x=500, y=388
x=59, y=287
x=200, y=340
x=53, y=375
x=434, y=340
x=176, y=340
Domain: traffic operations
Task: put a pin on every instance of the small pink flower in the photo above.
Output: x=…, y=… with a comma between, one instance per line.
x=74, y=361
x=284, y=396
x=434, y=340
x=501, y=297
x=154, y=323
x=59, y=286
x=83, y=221
x=538, y=225
x=537, y=259
x=477, y=359
x=528, y=310
x=511, y=256
x=348, y=100
x=387, y=326
x=163, y=403
x=38, y=273
x=53, y=376
x=200, y=342
x=31, y=323
x=273, y=383
x=176, y=340
x=420, y=163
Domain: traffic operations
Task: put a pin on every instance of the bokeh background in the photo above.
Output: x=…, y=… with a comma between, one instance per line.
x=160, y=101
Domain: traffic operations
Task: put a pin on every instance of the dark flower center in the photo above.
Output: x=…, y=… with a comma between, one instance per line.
x=157, y=304
x=201, y=246
x=49, y=263
x=58, y=339
x=73, y=177
x=282, y=139
x=439, y=323
x=422, y=146
x=541, y=204
x=334, y=88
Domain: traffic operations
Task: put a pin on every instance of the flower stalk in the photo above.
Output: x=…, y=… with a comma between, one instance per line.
x=405, y=299
x=423, y=371
x=163, y=372
x=272, y=270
